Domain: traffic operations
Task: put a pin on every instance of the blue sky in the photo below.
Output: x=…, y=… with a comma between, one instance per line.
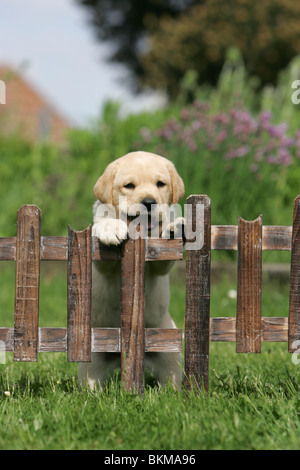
x=55, y=47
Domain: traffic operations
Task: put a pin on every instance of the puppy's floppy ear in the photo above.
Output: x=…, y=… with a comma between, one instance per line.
x=177, y=184
x=104, y=185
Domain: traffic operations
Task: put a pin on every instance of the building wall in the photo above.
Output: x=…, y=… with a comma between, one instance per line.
x=28, y=113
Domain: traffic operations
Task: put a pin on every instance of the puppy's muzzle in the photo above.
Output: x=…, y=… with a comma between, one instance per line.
x=148, y=202
x=146, y=210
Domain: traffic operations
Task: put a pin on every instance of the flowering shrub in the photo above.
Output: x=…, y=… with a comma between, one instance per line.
x=246, y=165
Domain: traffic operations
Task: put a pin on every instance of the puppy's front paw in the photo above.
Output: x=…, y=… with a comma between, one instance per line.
x=175, y=229
x=111, y=231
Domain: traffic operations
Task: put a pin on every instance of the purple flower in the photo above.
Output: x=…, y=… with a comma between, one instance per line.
x=201, y=106
x=286, y=141
x=146, y=134
x=285, y=157
x=254, y=168
x=173, y=124
x=271, y=159
x=185, y=114
x=211, y=145
x=235, y=134
x=259, y=155
x=192, y=145
x=221, y=136
x=221, y=118
x=278, y=131
x=282, y=158
x=237, y=153
x=166, y=133
x=265, y=116
x=196, y=125
x=264, y=120
x=242, y=151
x=244, y=124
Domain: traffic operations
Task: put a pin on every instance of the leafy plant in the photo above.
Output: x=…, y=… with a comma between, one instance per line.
x=240, y=148
x=246, y=165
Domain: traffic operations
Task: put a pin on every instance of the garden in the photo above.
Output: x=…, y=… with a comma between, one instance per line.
x=243, y=151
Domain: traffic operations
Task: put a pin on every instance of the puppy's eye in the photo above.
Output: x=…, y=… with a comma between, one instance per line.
x=160, y=184
x=129, y=186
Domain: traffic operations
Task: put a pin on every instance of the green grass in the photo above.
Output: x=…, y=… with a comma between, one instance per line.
x=253, y=403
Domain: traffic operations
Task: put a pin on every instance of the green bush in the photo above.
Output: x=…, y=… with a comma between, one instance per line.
x=60, y=181
x=241, y=151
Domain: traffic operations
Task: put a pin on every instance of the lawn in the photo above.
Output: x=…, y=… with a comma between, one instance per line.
x=224, y=144
x=253, y=403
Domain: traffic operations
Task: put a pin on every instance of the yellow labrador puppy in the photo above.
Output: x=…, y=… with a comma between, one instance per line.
x=140, y=183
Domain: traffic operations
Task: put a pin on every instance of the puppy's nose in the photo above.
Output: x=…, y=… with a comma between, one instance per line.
x=147, y=202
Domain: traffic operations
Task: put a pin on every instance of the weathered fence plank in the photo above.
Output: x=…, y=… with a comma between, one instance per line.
x=223, y=237
x=132, y=314
x=27, y=283
x=7, y=339
x=163, y=339
x=223, y=329
x=197, y=314
x=79, y=295
x=248, y=316
x=170, y=250
x=52, y=339
x=294, y=308
x=274, y=329
x=8, y=248
x=274, y=237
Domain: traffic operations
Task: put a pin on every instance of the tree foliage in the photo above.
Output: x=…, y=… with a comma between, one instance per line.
x=160, y=40
x=124, y=24
x=267, y=34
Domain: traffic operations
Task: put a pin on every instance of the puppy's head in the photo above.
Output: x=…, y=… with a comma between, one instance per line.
x=139, y=178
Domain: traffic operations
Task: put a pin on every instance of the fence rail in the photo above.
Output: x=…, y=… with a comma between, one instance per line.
x=223, y=237
x=248, y=329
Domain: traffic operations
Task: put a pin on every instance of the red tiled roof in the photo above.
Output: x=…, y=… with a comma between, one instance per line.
x=28, y=113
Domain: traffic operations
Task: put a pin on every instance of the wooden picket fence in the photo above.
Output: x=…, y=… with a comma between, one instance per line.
x=248, y=329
